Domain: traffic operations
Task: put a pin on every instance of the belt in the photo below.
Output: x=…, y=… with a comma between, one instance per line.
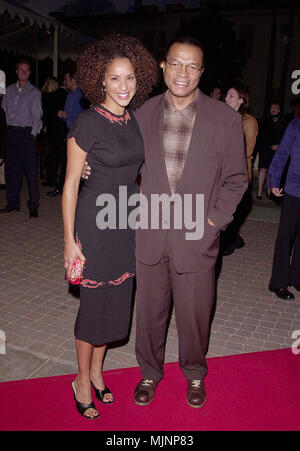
x=18, y=127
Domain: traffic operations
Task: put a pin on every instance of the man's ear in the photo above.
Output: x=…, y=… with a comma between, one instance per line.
x=162, y=65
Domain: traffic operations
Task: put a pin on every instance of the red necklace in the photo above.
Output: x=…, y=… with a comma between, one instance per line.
x=112, y=117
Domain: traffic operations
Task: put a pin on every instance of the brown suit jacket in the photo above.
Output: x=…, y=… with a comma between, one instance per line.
x=215, y=167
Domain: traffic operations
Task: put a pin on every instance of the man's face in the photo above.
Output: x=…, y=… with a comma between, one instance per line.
x=67, y=81
x=216, y=94
x=23, y=72
x=296, y=109
x=183, y=69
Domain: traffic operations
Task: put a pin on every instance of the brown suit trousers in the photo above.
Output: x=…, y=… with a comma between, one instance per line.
x=156, y=286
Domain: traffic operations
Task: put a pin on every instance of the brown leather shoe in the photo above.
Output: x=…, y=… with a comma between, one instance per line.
x=144, y=392
x=196, y=394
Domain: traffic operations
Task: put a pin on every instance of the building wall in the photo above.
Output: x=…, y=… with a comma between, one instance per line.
x=253, y=26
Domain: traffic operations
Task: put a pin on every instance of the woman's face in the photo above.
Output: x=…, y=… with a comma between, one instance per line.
x=119, y=84
x=274, y=109
x=53, y=86
x=233, y=99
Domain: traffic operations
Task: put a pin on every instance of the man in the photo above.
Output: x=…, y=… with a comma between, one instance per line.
x=285, y=272
x=272, y=128
x=22, y=106
x=295, y=109
x=216, y=93
x=193, y=145
x=74, y=105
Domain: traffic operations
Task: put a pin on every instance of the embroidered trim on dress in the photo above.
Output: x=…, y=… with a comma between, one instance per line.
x=111, y=117
x=87, y=283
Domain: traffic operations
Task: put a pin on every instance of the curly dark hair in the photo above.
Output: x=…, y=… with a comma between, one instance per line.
x=92, y=64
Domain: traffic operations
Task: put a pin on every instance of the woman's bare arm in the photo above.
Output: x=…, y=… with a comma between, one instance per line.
x=76, y=159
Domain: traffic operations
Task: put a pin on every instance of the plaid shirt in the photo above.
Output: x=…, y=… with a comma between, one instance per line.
x=177, y=133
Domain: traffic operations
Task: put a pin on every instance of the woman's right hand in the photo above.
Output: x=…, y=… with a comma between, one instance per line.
x=71, y=252
x=86, y=171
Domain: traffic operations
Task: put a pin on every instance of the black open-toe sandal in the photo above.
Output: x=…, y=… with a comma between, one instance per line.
x=101, y=393
x=82, y=408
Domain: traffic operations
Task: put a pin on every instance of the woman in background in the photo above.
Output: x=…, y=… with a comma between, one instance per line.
x=237, y=98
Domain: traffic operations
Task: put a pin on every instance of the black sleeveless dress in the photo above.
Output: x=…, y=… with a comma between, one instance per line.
x=115, y=154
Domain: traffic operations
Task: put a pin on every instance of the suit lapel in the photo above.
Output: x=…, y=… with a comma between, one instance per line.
x=203, y=131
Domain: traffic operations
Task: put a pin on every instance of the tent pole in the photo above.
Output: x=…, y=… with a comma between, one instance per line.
x=37, y=71
x=55, y=53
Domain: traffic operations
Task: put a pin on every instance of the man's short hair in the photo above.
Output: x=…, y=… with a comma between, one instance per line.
x=188, y=40
x=23, y=61
x=71, y=73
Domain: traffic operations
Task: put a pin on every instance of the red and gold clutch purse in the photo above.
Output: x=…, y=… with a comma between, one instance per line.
x=76, y=274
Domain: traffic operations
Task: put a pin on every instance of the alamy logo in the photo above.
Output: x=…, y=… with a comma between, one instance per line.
x=296, y=83
x=181, y=212
x=2, y=342
x=296, y=343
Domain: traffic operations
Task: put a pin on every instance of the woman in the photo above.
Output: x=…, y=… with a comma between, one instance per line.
x=271, y=132
x=238, y=99
x=113, y=73
x=50, y=85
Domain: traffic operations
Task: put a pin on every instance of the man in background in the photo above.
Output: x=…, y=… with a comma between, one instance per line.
x=286, y=271
x=73, y=106
x=23, y=110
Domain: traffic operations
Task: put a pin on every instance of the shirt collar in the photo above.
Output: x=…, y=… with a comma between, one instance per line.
x=188, y=112
x=76, y=91
x=28, y=84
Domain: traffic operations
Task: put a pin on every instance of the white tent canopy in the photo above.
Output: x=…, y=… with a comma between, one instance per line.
x=25, y=32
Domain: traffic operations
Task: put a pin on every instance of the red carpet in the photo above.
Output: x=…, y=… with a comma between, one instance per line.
x=258, y=391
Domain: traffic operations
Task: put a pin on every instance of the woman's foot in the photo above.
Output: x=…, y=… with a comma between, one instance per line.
x=84, y=401
x=102, y=392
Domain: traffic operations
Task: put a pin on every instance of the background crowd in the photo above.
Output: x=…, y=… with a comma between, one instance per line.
x=60, y=103
x=34, y=126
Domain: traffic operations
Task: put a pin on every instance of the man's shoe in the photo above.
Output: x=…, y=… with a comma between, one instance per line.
x=283, y=293
x=196, y=394
x=53, y=193
x=33, y=212
x=144, y=392
x=8, y=209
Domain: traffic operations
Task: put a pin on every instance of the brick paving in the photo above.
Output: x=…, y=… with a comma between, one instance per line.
x=37, y=312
